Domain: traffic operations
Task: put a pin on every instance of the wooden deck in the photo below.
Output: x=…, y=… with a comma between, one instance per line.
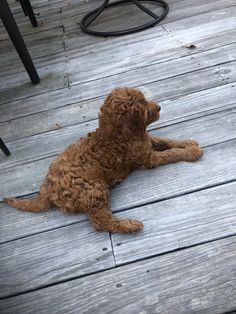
x=184, y=261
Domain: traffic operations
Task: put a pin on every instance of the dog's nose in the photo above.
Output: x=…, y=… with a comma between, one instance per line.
x=158, y=108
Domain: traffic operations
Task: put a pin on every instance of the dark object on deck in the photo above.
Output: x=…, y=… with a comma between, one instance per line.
x=91, y=16
x=4, y=148
x=27, y=8
x=16, y=38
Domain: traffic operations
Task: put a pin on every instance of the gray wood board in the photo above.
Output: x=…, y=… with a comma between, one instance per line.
x=18, y=85
x=167, y=87
x=224, y=23
x=53, y=256
x=46, y=20
x=179, y=222
x=219, y=127
x=53, y=54
x=200, y=279
x=195, y=104
x=32, y=41
x=214, y=168
x=163, y=90
x=149, y=73
x=16, y=224
x=217, y=166
x=200, y=13
x=114, y=57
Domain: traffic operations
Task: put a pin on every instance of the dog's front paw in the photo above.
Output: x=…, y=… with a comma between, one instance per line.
x=193, y=153
x=187, y=143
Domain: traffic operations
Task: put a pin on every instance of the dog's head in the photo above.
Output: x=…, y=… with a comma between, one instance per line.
x=127, y=112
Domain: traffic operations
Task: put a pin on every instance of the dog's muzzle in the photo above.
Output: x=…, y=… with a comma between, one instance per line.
x=153, y=112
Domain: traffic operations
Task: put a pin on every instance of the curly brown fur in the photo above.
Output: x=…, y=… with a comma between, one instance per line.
x=80, y=178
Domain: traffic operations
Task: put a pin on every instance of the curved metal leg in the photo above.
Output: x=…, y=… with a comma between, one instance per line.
x=91, y=16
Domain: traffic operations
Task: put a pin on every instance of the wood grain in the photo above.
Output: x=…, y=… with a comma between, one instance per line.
x=178, y=179
x=179, y=222
x=200, y=279
x=139, y=188
x=53, y=256
x=51, y=143
x=37, y=112
x=18, y=85
x=59, y=263
x=157, y=71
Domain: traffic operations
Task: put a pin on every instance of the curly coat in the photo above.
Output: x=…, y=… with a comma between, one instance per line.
x=80, y=178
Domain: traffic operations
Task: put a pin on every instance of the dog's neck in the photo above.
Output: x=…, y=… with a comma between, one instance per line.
x=110, y=127
x=114, y=134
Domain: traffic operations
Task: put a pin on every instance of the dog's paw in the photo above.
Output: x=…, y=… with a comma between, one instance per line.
x=132, y=225
x=193, y=153
x=188, y=143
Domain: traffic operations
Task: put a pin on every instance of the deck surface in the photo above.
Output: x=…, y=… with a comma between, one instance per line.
x=184, y=261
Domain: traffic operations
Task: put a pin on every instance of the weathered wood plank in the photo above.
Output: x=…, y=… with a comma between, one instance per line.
x=53, y=35
x=204, y=17
x=47, y=20
x=179, y=222
x=46, y=53
x=196, y=104
x=150, y=186
x=208, y=129
x=18, y=85
x=200, y=279
x=16, y=224
x=51, y=143
x=38, y=103
x=207, y=29
x=139, y=188
x=37, y=4
x=170, y=88
x=182, y=84
x=54, y=58
x=117, y=59
x=53, y=256
x=156, y=71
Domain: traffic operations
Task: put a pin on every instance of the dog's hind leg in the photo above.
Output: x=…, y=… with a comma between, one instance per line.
x=103, y=220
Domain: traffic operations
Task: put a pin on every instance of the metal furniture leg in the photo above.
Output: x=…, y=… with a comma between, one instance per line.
x=27, y=8
x=4, y=148
x=23, y=7
x=91, y=16
x=17, y=40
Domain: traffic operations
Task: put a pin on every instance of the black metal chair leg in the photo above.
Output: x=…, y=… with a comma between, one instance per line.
x=4, y=148
x=22, y=3
x=30, y=12
x=17, y=40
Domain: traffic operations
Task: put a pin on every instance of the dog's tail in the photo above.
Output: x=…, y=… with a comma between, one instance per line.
x=39, y=203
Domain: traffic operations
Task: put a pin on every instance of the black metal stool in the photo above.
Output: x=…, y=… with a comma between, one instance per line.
x=4, y=148
x=91, y=16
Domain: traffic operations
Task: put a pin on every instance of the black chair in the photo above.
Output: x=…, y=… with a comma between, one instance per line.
x=4, y=148
x=16, y=38
x=91, y=17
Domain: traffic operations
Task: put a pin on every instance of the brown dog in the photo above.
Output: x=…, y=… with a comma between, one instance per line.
x=79, y=179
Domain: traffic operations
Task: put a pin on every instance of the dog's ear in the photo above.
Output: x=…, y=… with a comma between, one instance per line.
x=132, y=124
